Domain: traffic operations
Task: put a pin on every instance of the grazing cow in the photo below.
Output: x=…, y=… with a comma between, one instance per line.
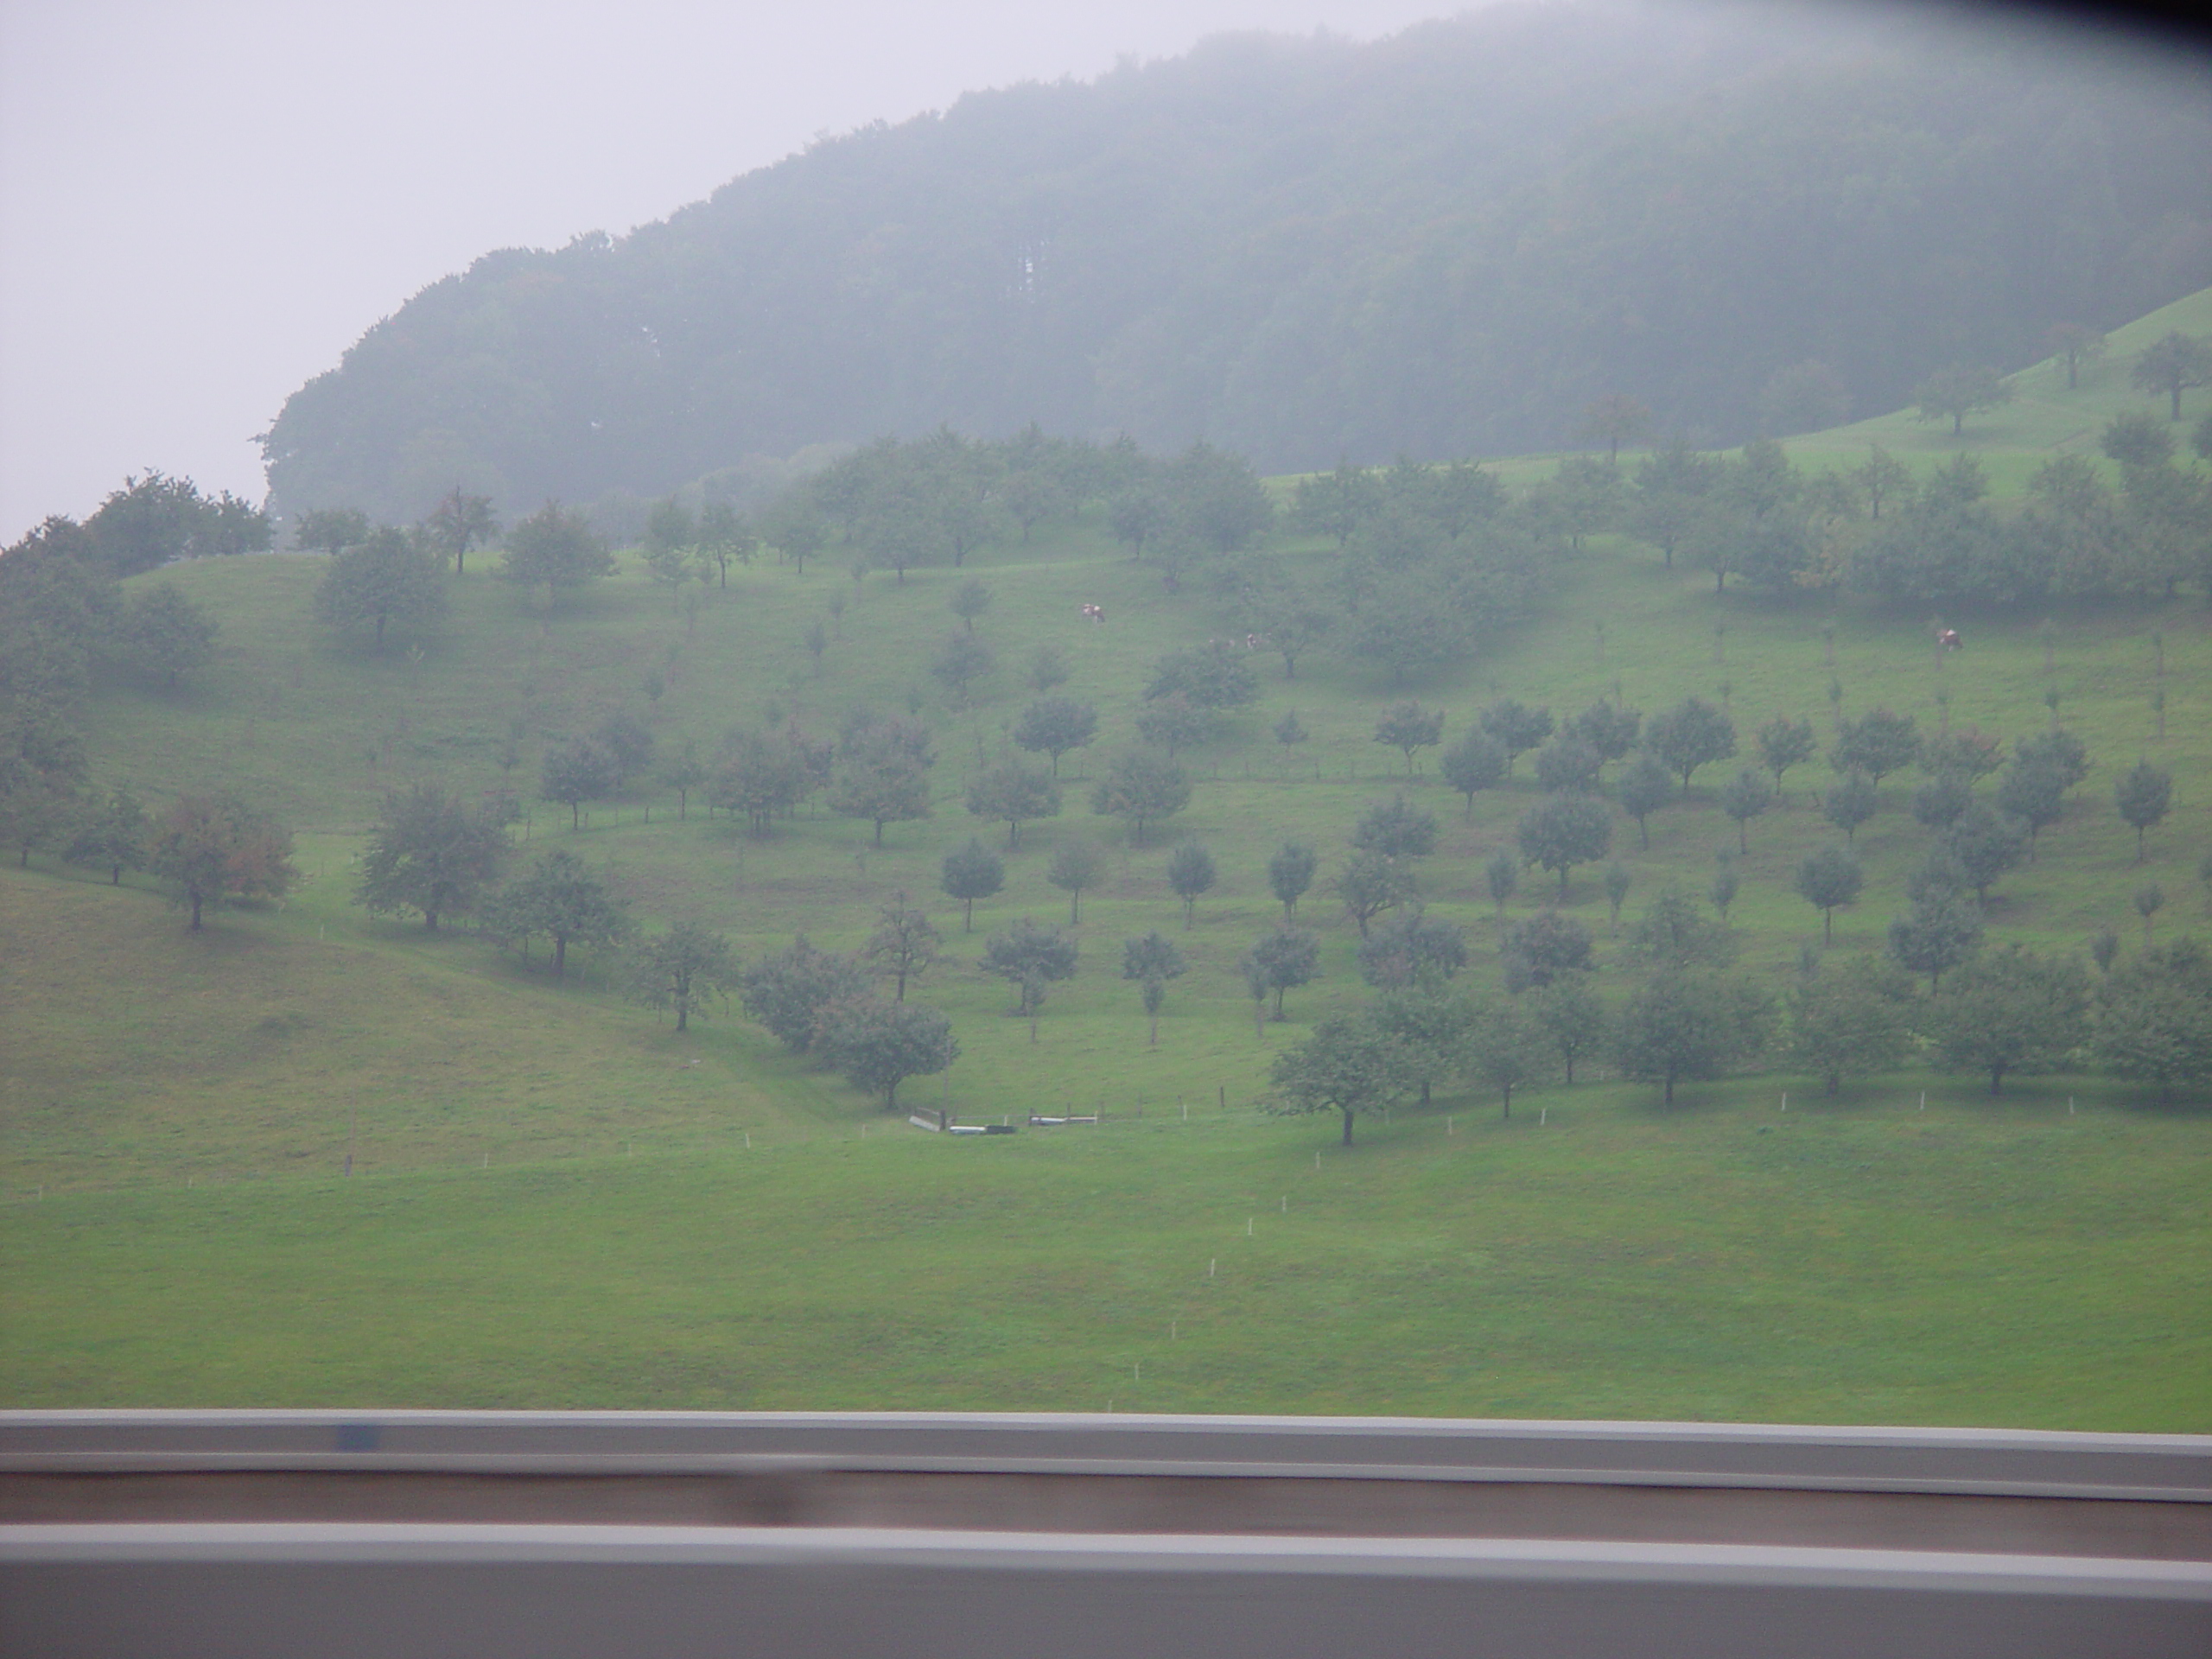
x=1094, y=613
x=1948, y=639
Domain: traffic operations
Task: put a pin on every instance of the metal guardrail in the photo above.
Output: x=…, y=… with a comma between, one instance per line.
x=550, y=1533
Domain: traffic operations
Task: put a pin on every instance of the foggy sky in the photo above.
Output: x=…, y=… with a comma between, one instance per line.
x=202, y=205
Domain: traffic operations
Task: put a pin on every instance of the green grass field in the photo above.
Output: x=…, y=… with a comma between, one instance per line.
x=556, y=1204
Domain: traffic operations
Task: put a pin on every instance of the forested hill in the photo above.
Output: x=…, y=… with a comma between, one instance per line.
x=1446, y=243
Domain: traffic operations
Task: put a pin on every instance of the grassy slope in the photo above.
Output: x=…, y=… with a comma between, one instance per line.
x=2003, y=1264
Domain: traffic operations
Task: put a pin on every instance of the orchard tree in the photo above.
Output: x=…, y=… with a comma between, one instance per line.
x=331, y=530
x=1507, y=1048
x=1986, y=844
x=556, y=550
x=1827, y=878
x=1674, y=933
x=1565, y=831
x=1689, y=1025
x=2075, y=344
x=1645, y=786
x=1568, y=763
x=1880, y=741
x=580, y=770
x=1213, y=676
x=1141, y=788
x=2172, y=365
x=1942, y=930
x=970, y=873
x=1351, y=1063
x=969, y=600
x=385, y=580
x=1852, y=1020
x=2143, y=796
x=429, y=853
x=1014, y=792
x=1283, y=960
x=681, y=968
x=215, y=847
x=1850, y=802
x=1370, y=884
x=1785, y=743
x=1476, y=761
x=760, y=774
x=165, y=634
x=1076, y=865
x=2012, y=1011
x=791, y=991
x=1618, y=882
x=1515, y=726
x=1290, y=873
x=879, y=1045
x=1029, y=957
x=2059, y=750
x=1609, y=729
x=559, y=898
x=882, y=782
x=1503, y=876
x=2153, y=1021
x=1406, y=727
x=1690, y=735
x=111, y=834
x=1174, y=723
x=1614, y=420
x=1746, y=795
x=1939, y=803
x=1153, y=960
x=1412, y=950
x=1395, y=829
x=1572, y=1019
x=1055, y=725
x=1954, y=392
x=460, y=522
x=2036, y=795
x=904, y=943
x=684, y=774
x=1541, y=949
x=1190, y=874
x=960, y=662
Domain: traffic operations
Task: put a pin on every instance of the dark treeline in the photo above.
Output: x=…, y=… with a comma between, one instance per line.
x=1448, y=243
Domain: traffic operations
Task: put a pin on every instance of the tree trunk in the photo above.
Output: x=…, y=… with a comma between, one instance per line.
x=575, y=815
x=115, y=875
x=878, y=832
x=1996, y=1079
x=193, y=893
x=1347, y=1140
x=1155, y=1031
x=968, y=924
x=430, y=921
x=901, y=997
x=1670, y=1096
x=683, y=1012
x=1260, y=1017
x=1827, y=927
x=560, y=955
x=891, y=1098
x=1644, y=834
x=380, y=621
x=1506, y=1117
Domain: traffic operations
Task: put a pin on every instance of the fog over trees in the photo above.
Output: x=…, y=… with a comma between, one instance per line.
x=1728, y=222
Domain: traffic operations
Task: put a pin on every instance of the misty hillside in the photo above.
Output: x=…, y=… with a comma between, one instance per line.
x=1446, y=243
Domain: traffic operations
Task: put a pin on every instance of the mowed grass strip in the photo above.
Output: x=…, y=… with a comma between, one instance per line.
x=1862, y=1261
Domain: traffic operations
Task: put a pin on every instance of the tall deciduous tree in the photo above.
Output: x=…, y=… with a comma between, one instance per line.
x=1689, y=1025
x=1142, y=788
x=1827, y=878
x=110, y=833
x=970, y=873
x=1407, y=727
x=2174, y=364
x=681, y=968
x=1565, y=831
x=1851, y=1020
x=1646, y=785
x=460, y=522
x=1191, y=872
x=1516, y=726
x=1153, y=960
x=878, y=1045
x=1880, y=741
x=904, y=943
x=556, y=550
x=1507, y=1048
x=1691, y=734
x=1029, y=957
x=1371, y=883
x=1290, y=873
x=1282, y=960
x=1055, y=725
x=791, y=991
x=165, y=634
x=387, y=579
x=1351, y=1064
x=1076, y=865
x=1957, y=391
x=563, y=900
x=1476, y=762
x=215, y=847
x=577, y=770
x=1014, y=792
x=429, y=853
x=1745, y=797
x=2144, y=795
x=2012, y=1011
